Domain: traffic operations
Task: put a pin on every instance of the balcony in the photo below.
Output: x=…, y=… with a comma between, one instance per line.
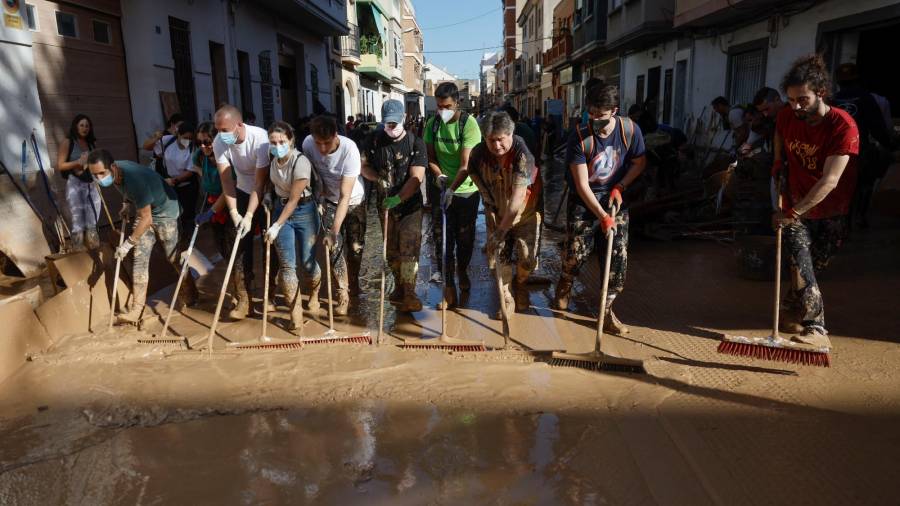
x=559, y=53
x=518, y=75
x=350, y=46
x=705, y=13
x=639, y=23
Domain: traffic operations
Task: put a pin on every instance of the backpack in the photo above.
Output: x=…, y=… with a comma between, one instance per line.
x=160, y=161
x=463, y=118
x=586, y=136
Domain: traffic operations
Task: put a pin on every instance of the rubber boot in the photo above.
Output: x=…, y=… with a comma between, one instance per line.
x=313, y=306
x=342, y=305
x=464, y=282
x=520, y=294
x=289, y=291
x=563, y=290
x=242, y=304
x=612, y=325
x=506, y=278
x=189, y=294
x=139, y=299
x=411, y=302
x=449, y=294
x=396, y=296
x=91, y=239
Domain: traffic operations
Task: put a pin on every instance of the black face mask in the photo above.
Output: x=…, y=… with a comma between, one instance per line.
x=597, y=125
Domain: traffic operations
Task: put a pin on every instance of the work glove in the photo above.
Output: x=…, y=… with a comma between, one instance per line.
x=123, y=249
x=330, y=239
x=204, y=217
x=235, y=217
x=385, y=184
x=246, y=224
x=615, y=196
x=446, y=199
x=784, y=217
x=272, y=232
x=442, y=181
x=391, y=202
x=608, y=223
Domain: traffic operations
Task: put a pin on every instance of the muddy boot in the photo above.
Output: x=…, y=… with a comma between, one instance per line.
x=396, y=297
x=520, y=294
x=411, y=302
x=139, y=298
x=313, y=305
x=449, y=296
x=612, y=325
x=242, y=306
x=789, y=323
x=813, y=335
x=189, y=294
x=289, y=291
x=464, y=282
x=342, y=304
x=506, y=296
x=563, y=289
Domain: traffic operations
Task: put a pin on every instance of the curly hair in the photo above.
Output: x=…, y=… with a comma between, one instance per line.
x=809, y=70
x=602, y=97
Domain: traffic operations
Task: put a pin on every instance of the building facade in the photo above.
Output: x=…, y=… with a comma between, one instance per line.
x=413, y=61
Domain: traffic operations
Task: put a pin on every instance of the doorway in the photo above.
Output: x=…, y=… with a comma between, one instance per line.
x=652, y=100
x=180, y=39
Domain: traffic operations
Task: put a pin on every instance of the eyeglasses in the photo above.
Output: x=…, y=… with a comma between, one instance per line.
x=206, y=144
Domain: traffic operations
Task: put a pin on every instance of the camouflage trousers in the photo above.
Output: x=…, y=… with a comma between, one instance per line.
x=404, y=242
x=520, y=247
x=166, y=232
x=810, y=245
x=346, y=256
x=583, y=235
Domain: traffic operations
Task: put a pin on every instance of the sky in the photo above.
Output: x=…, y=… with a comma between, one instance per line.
x=476, y=24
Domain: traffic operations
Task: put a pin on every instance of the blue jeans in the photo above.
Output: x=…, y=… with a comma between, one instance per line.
x=301, y=229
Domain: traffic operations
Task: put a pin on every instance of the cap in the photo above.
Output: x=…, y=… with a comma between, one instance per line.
x=392, y=111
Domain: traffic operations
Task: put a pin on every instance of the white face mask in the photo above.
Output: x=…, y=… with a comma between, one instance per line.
x=185, y=143
x=447, y=115
x=394, y=133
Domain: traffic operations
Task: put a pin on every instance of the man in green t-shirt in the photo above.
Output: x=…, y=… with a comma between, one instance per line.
x=449, y=143
x=157, y=211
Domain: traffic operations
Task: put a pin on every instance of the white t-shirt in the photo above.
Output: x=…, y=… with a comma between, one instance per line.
x=158, y=147
x=283, y=176
x=344, y=162
x=246, y=156
x=178, y=159
x=736, y=118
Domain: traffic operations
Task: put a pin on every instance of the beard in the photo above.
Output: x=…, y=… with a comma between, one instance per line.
x=808, y=113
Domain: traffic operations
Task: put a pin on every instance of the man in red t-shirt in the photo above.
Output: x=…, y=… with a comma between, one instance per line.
x=820, y=144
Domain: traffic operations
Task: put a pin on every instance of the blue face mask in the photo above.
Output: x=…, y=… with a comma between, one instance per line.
x=106, y=180
x=280, y=150
x=228, y=138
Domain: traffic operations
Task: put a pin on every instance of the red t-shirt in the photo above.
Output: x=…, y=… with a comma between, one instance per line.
x=807, y=146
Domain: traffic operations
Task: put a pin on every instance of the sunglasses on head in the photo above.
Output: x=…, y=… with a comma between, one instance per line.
x=207, y=143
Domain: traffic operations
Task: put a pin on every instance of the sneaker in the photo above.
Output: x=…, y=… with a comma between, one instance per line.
x=612, y=325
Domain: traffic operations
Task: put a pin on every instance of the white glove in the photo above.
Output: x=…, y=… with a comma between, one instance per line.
x=235, y=217
x=442, y=181
x=330, y=240
x=446, y=199
x=272, y=232
x=246, y=225
x=123, y=249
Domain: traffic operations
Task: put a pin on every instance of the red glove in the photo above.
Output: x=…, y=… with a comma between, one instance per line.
x=777, y=167
x=616, y=195
x=607, y=223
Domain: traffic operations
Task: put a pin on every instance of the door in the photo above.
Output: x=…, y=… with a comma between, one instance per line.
x=652, y=100
x=667, y=97
x=265, y=84
x=287, y=75
x=678, y=102
x=244, y=80
x=180, y=39
x=219, y=79
x=639, y=90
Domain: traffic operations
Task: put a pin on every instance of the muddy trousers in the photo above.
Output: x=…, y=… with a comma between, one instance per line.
x=583, y=234
x=188, y=194
x=165, y=231
x=404, y=243
x=520, y=248
x=84, y=206
x=346, y=256
x=461, y=216
x=810, y=245
x=296, y=246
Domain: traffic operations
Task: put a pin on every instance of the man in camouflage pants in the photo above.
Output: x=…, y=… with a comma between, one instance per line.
x=604, y=157
x=396, y=161
x=504, y=171
x=157, y=214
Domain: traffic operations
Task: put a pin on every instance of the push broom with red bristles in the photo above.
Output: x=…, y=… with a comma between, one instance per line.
x=774, y=347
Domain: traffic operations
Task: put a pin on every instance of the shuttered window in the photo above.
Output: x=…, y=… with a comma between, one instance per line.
x=747, y=71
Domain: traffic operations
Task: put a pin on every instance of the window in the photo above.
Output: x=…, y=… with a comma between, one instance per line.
x=66, y=24
x=314, y=81
x=31, y=17
x=746, y=72
x=101, y=32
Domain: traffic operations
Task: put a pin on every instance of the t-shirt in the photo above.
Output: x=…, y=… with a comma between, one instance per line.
x=496, y=183
x=158, y=147
x=178, y=159
x=735, y=118
x=209, y=173
x=392, y=160
x=609, y=159
x=864, y=109
x=296, y=168
x=142, y=186
x=447, y=148
x=245, y=157
x=331, y=168
x=807, y=146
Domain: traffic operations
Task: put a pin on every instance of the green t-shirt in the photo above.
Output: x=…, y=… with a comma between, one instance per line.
x=143, y=186
x=447, y=150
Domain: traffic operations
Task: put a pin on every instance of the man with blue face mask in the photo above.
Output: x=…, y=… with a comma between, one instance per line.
x=157, y=211
x=245, y=148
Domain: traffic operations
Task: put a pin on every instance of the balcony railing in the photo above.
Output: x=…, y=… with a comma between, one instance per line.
x=559, y=52
x=350, y=43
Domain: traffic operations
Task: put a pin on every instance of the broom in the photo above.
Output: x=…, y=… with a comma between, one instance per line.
x=774, y=347
x=443, y=342
x=597, y=360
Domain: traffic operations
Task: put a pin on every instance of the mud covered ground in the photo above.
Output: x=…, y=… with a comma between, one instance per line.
x=101, y=419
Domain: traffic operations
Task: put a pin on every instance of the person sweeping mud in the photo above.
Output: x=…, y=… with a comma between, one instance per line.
x=503, y=169
x=820, y=144
x=157, y=211
x=604, y=157
x=396, y=161
x=336, y=160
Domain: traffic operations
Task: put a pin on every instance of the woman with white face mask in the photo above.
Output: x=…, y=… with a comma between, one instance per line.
x=296, y=226
x=181, y=176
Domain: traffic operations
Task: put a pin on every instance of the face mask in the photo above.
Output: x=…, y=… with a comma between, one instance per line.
x=185, y=143
x=447, y=115
x=597, y=125
x=106, y=180
x=394, y=133
x=280, y=150
x=228, y=138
